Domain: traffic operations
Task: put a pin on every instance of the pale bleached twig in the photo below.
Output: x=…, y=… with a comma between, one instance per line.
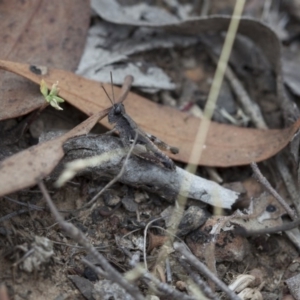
x=144, y=174
x=76, y=166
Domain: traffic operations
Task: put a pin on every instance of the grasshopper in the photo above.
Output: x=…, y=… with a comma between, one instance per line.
x=147, y=146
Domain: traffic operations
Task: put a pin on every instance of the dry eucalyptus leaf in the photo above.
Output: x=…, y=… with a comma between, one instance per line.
x=256, y=31
x=262, y=35
x=109, y=43
x=27, y=167
x=49, y=33
x=145, y=75
x=225, y=145
x=139, y=14
x=291, y=67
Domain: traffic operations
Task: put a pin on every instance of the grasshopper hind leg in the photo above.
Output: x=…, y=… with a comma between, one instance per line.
x=162, y=145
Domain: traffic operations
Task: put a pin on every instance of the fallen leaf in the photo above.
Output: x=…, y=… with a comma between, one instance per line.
x=100, y=54
x=139, y=14
x=290, y=66
x=50, y=33
x=256, y=31
x=225, y=145
x=27, y=167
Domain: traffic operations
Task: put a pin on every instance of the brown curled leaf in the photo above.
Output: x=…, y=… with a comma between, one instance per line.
x=225, y=146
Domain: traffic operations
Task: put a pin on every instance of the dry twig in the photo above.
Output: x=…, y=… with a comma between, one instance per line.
x=199, y=281
x=284, y=227
x=144, y=174
x=80, y=238
x=289, y=182
x=152, y=281
x=194, y=261
x=263, y=180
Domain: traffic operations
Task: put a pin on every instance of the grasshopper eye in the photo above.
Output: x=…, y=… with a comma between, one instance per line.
x=118, y=110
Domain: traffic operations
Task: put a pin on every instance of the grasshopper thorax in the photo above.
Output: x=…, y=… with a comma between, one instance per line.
x=116, y=112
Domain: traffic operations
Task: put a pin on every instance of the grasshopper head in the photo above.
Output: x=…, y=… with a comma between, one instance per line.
x=116, y=112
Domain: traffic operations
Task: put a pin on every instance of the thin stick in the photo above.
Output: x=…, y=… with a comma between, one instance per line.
x=16, y=213
x=250, y=107
x=27, y=254
x=194, y=261
x=100, y=248
x=198, y=281
x=263, y=180
x=288, y=180
x=32, y=206
x=287, y=226
x=152, y=281
x=99, y=271
x=80, y=238
x=167, y=289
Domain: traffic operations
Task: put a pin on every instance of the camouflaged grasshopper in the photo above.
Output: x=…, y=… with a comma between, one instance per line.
x=147, y=146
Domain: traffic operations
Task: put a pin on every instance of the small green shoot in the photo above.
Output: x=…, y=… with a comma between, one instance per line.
x=51, y=97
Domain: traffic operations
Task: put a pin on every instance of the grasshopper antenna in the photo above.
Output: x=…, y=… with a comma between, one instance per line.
x=112, y=102
x=112, y=87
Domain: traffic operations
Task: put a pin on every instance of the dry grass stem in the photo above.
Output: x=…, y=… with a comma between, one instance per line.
x=199, y=142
